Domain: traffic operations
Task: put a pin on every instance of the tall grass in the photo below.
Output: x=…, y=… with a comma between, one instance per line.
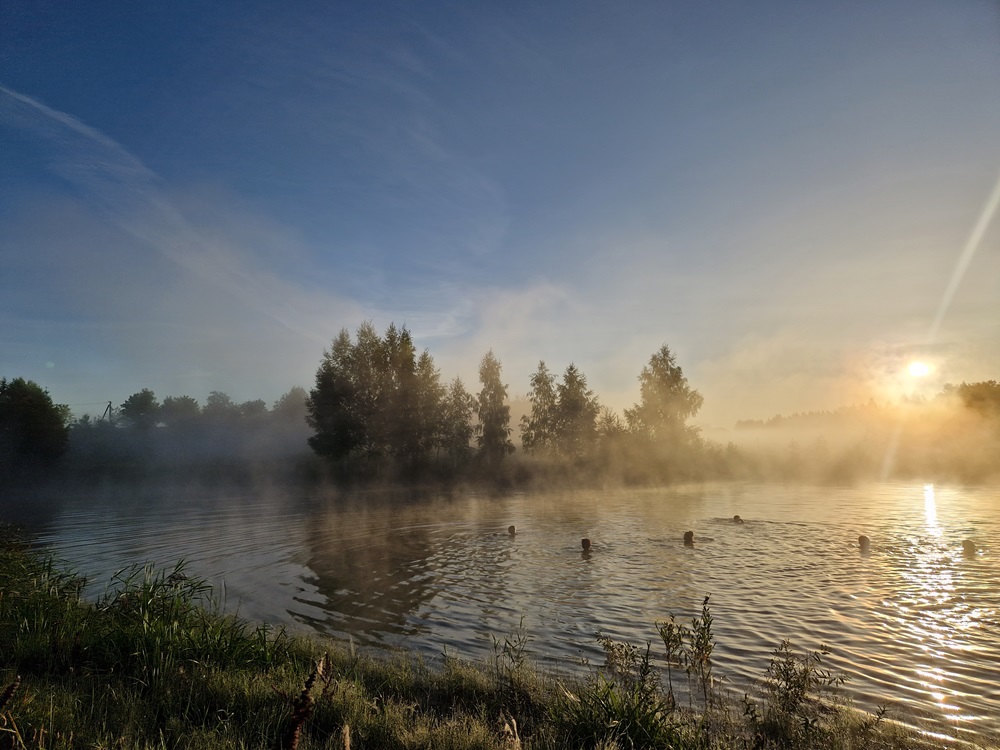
x=148, y=626
x=152, y=623
x=621, y=705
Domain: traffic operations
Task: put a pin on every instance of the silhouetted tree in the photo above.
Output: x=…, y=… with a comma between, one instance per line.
x=367, y=366
x=334, y=406
x=575, y=415
x=666, y=402
x=983, y=397
x=220, y=410
x=398, y=407
x=32, y=428
x=255, y=410
x=493, y=430
x=610, y=426
x=179, y=412
x=140, y=410
x=538, y=428
x=430, y=404
x=287, y=425
x=612, y=438
x=456, y=422
x=374, y=398
x=291, y=407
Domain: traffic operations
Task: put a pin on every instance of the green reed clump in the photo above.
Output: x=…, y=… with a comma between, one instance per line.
x=144, y=661
x=148, y=625
x=517, y=680
x=624, y=705
x=41, y=620
x=791, y=711
x=620, y=705
x=700, y=646
x=153, y=623
x=691, y=649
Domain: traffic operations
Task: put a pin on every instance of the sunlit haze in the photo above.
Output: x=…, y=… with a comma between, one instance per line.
x=799, y=199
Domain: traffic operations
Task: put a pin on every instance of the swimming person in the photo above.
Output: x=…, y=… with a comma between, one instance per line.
x=864, y=543
x=585, y=543
x=969, y=547
x=737, y=519
x=511, y=530
x=688, y=538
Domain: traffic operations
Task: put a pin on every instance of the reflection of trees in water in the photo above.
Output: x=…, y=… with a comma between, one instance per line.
x=389, y=566
x=448, y=572
x=371, y=559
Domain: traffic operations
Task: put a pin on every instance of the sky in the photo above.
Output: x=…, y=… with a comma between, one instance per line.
x=798, y=198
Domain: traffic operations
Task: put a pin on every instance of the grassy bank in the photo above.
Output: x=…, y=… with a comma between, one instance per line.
x=153, y=665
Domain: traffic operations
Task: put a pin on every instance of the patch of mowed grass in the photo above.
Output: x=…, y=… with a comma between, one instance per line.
x=154, y=664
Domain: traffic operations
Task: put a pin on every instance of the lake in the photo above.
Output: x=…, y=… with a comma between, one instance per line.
x=915, y=623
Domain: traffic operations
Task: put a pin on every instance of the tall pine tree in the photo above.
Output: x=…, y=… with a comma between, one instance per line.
x=538, y=428
x=493, y=430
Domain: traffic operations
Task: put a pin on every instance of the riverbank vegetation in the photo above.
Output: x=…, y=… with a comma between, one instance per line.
x=153, y=664
x=381, y=411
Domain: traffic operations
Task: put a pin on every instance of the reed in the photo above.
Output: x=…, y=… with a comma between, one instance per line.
x=620, y=705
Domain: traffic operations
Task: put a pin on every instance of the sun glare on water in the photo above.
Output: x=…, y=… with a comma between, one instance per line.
x=918, y=369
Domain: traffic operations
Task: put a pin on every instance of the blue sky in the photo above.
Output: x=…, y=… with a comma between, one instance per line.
x=796, y=197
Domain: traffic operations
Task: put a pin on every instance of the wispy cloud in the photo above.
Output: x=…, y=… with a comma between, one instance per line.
x=119, y=185
x=225, y=287
x=231, y=309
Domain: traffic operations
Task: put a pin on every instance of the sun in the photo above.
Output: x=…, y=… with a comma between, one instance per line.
x=918, y=369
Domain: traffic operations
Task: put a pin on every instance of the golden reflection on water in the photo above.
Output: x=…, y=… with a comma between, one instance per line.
x=934, y=613
x=930, y=510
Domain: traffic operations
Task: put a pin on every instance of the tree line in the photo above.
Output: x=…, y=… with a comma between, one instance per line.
x=37, y=434
x=380, y=408
x=377, y=403
x=145, y=433
x=142, y=411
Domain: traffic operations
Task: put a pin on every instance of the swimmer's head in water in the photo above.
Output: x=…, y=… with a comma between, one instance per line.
x=864, y=543
x=737, y=519
x=585, y=543
x=689, y=538
x=511, y=530
x=969, y=547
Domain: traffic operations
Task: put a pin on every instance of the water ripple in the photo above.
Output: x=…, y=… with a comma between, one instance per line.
x=914, y=622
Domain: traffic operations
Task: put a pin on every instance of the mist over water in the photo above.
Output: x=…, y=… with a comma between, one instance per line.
x=914, y=622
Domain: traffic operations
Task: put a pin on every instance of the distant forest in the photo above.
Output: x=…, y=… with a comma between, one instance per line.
x=953, y=436
x=380, y=411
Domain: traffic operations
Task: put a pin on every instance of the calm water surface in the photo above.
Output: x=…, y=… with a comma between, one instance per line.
x=915, y=623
